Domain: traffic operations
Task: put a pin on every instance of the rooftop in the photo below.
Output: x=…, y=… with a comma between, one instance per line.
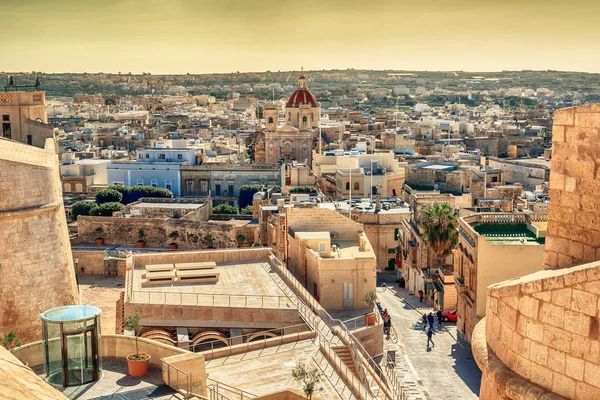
x=508, y=234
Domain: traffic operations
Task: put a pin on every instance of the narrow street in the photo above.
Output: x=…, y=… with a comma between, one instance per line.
x=445, y=371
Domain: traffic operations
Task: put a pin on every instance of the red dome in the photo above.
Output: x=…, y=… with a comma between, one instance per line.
x=302, y=96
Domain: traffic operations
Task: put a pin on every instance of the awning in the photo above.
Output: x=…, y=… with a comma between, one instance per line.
x=438, y=287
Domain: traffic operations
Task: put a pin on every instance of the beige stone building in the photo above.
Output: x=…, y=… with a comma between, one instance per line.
x=293, y=141
x=35, y=262
x=541, y=337
x=493, y=247
x=23, y=117
x=331, y=256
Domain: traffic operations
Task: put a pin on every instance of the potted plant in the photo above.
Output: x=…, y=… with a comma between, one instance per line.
x=140, y=243
x=137, y=363
x=369, y=298
x=173, y=236
x=99, y=239
x=240, y=239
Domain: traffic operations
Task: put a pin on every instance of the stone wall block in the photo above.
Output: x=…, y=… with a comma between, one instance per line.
x=592, y=374
x=587, y=120
x=556, y=338
x=541, y=375
x=563, y=385
x=538, y=353
x=584, y=302
x=577, y=323
x=565, y=116
x=586, y=392
x=556, y=360
x=529, y=307
x=552, y=315
x=574, y=368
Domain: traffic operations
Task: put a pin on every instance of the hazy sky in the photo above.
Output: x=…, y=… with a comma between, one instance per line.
x=201, y=36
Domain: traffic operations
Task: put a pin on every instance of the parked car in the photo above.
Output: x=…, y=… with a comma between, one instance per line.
x=449, y=316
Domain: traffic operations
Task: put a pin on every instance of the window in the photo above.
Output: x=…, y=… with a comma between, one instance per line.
x=189, y=185
x=140, y=182
x=217, y=189
x=153, y=182
x=180, y=156
x=118, y=183
x=322, y=247
x=147, y=155
x=204, y=186
x=270, y=120
x=6, y=118
x=6, y=130
x=356, y=186
x=289, y=116
x=161, y=156
x=392, y=251
x=29, y=139
x=168, y=184
x=230, y=188
x=347, y=185
x=139, y=156
x=304, y=119
x=396, y=233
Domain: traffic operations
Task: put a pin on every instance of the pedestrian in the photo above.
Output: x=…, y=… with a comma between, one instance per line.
x=425, y=319
x=421, y=296
x=431, y=320
x=429, y=336
x=439, y=317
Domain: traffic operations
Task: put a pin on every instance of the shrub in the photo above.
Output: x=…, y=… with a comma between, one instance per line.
x=106, y=209
x=225, y=209
x=82, y=208
x=10, y=341
x=247, y=192
x=247, y=210
x=303, y=189
x=108, y=196
x=134, y=193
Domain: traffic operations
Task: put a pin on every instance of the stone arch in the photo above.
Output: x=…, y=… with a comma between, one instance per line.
x=159, y=335
x=356, y=186
x=210, y=336
x=67, y=187
x=261, y=335
x=78, y=188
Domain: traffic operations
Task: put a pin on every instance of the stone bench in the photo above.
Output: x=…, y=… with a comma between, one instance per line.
x=197, y=276
x=158, y=277
x=195, y=266
x=159, y=268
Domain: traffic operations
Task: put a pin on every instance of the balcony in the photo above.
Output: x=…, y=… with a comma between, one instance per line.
x=460, y=285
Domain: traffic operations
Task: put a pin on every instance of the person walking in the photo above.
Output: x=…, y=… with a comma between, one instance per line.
x=431, y=320
x=429, y=336
x=421, y=295
x=439, y=317
x=425, y=319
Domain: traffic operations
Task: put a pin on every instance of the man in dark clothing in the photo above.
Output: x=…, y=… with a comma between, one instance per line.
x=429, y=336
x=439, y=317
x=421, y=296
x=431, y=320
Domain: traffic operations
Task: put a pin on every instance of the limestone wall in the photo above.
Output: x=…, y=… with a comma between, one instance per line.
x=546, y=328
x=322, y=220
x=574, y=214
x=35, y=261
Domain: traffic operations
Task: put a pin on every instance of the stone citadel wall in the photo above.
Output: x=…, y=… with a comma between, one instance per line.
x=36, y=268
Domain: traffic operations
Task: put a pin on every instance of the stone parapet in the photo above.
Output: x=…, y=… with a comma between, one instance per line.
x=545, y=328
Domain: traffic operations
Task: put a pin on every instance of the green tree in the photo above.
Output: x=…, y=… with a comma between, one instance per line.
x=82, y=208
x=106, y=209
x=247, y=210
x=303, y=189
x=309, y=378
x=134, y=193
x=10, y=341
x=440, y=229
x=132, y=323
x=225, y=209
x=108, y=196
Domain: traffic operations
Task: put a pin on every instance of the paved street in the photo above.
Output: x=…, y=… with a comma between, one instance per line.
x=446, y=371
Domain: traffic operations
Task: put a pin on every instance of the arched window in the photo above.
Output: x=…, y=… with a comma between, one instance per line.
x=347, y=185
x=289, y=116
x=304, y=119
x=356, y=186
x=270, y=120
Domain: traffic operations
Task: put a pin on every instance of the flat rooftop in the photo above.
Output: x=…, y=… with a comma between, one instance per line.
x=508, y=234
x=270, y=370
x=239, y=285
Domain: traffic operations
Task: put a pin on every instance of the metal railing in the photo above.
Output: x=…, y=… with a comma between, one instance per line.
x=193, y=384
x=248, y=339
x=210, y=300
x=312, y=310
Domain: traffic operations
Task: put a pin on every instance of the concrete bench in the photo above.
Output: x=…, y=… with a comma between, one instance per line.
x=159, y=268
x=197, y=276
x=157, y=277
x=195, y=266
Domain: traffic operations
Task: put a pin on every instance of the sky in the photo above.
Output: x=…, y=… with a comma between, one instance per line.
x=206, y=36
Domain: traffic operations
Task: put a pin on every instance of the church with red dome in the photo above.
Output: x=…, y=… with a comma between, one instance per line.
x=294, y=140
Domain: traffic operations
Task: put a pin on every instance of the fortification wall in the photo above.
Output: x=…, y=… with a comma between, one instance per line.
x=35, y=261
x=541, y=336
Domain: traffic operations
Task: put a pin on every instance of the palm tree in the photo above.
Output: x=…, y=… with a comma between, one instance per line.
x=440, y=229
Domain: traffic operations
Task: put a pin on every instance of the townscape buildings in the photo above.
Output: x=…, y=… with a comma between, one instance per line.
x=242, y=218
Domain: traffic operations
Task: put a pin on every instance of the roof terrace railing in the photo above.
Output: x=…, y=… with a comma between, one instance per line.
x=210, y=299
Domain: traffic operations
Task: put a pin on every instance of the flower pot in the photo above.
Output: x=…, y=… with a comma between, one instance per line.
x=138, y=368
x=140, y=244
x=172, y=246
x=370, y=319
x=99, y=241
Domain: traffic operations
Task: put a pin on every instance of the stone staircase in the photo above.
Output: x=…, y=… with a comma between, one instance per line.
x=345, y=354
x=327, y=370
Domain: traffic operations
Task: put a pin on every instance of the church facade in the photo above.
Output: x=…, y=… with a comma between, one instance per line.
x=294, y=140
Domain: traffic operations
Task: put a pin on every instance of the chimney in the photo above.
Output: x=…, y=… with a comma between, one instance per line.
x=378, y=203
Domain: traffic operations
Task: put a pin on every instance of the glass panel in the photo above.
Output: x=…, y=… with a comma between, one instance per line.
x=53, y=356
x=80, y=358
